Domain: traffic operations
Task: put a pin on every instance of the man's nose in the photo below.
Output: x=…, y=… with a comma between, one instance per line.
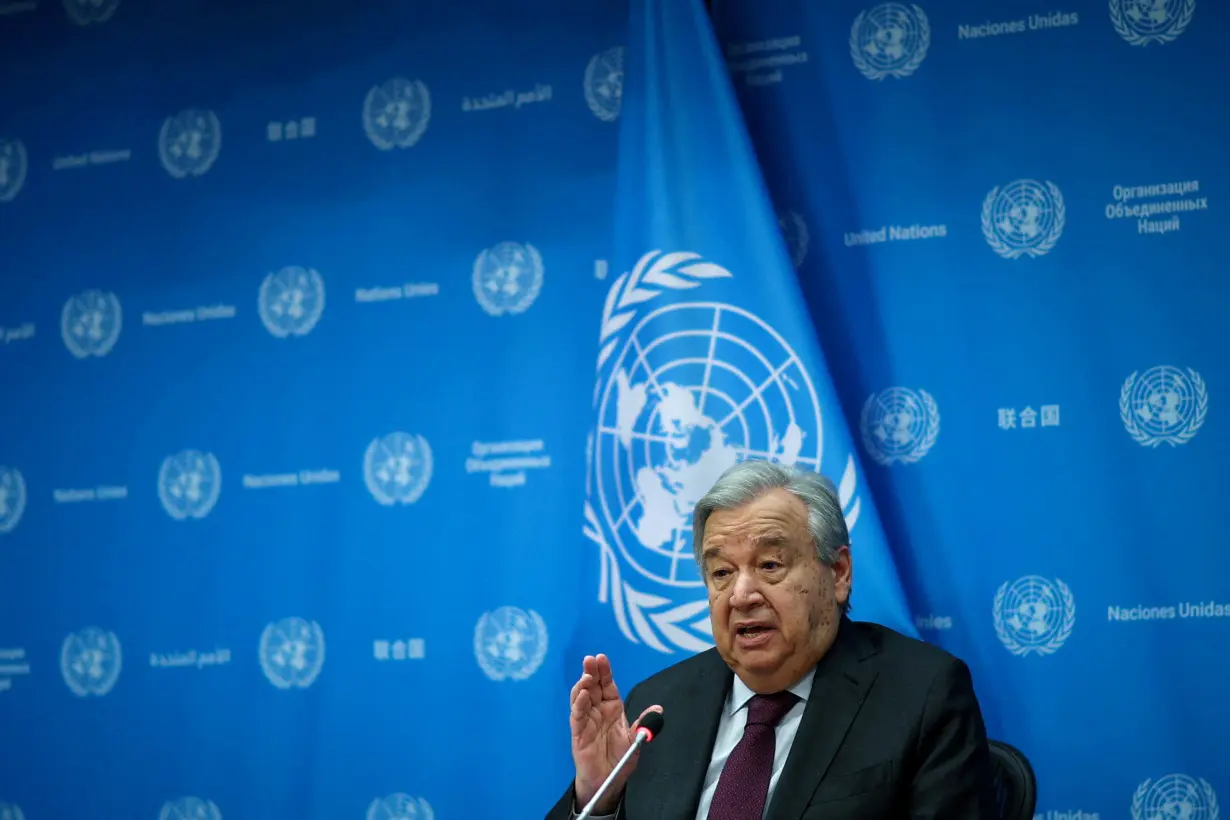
x=746, y=590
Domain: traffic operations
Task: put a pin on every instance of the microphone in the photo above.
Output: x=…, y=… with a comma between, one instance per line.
x=650, y=726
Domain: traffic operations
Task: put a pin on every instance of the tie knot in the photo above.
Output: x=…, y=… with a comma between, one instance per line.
x=768, y=710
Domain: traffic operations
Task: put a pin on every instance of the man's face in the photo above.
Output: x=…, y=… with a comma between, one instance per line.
x=773, y=606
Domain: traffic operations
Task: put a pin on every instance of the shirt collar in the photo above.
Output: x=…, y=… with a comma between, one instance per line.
x=740, y=694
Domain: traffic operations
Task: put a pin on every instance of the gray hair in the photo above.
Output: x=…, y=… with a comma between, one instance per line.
x=750, y=479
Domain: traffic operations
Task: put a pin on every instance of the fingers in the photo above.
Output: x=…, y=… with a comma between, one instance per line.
x=580, y=709
x=600, y=667
x=586, y=693
x=591, y=696
x=584, y=696
x=598, y=678
x=577, y=687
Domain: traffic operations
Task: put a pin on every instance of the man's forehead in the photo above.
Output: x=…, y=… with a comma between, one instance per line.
x=758, y=536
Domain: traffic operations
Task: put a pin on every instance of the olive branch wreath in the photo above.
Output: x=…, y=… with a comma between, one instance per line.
x=642, y=617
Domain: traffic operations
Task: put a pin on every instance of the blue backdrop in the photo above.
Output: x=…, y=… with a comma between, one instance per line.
x=298, y=307
x=996, y=226
x=364, y=366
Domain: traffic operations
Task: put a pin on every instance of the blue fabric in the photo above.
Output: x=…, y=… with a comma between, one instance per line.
x=363, y=365
x=707, y=355
x=340, y=466
x=995, y=225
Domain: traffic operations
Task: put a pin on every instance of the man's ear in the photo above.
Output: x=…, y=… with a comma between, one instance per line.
x=843, y=574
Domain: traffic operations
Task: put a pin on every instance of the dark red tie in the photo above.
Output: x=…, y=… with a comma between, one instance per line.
x=744, y=783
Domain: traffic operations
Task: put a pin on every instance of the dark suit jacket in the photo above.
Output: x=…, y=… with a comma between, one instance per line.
x=891, y=729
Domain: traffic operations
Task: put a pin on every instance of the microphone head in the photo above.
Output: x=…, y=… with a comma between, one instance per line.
x=651, y=724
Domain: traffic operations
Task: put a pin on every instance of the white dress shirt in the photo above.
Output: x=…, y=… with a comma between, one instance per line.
x=730, y=732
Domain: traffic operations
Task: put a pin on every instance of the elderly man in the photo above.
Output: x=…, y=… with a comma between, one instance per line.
x=797, y=712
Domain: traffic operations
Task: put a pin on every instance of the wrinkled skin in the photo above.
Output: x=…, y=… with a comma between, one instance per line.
x=762, y=572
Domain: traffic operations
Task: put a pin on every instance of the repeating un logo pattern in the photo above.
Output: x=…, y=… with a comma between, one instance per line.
x=397, y=468
x=400, y=807
x=396, y=113
x=604, y=83
x=890, y=40
x=899, y=424
x=90, y=323
x=13, y=167
x=189, y=808
x=507, y=278
x=1033, y=615
x=292, y=652
x=9, y=811
x=189, y=484
x=12, y=498
x=90, y=661
x=87, y=12
x=684, y=391
x=1175, y=795
x=1141, y=22
x=1164, y=405
x=510, y=643
x=190, y=142
x=1023, y=218
x=291, y=301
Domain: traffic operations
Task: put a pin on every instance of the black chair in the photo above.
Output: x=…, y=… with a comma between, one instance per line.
x=1015, y=784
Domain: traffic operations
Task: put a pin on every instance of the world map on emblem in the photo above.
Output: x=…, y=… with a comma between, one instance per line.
x=696, y=388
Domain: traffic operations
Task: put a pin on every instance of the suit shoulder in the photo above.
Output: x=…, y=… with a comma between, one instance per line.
x=680, y=673
x=898, y=649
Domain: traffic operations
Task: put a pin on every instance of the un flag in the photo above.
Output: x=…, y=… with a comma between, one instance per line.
x=706, y=353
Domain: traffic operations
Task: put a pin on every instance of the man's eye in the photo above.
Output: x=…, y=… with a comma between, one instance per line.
x=770, y=565
x=718, y=573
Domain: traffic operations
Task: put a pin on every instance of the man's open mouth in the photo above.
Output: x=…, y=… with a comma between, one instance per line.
x=754, y=629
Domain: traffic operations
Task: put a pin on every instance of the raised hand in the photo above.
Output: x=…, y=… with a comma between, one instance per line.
x=600, y=733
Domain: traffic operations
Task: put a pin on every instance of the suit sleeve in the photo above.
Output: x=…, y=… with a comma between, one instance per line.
x=953, y=780
x=566, y=808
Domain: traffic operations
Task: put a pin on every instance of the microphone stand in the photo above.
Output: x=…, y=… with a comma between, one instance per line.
x=642, y=736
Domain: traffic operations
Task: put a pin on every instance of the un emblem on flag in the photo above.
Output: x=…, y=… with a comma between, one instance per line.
x=291, y=301
x=12, y=499
x=14, y=164
x=899, y=424
x=1141, y=22
x=89, y=12
x=1023, y=218
x=190, y=808
x=90, y=323
x=890, y=40
x=1163, y=405
x=685, y=390
x=397, y=468
x=1175, y=795
x=1033, y=615
x=190, y=142
x=507, y=278
x=510, y=643
x=396, y=113
x=90, y=661
x=292, y=652
x=400, y=806
x=189, y=484
x=604, y=83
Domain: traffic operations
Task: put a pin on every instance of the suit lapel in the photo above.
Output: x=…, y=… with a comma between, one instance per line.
x=842, y=679
x=687, y=743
